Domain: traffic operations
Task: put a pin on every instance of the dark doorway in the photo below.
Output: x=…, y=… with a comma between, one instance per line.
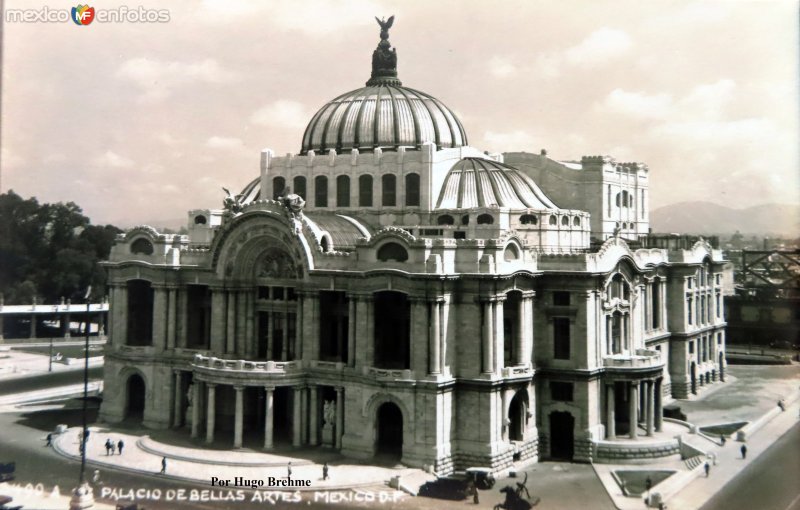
x=136, y=396
x=621, y=408
x=282, y=415
x=561, y=435
x=389, y=440
x=694, y=378
x=392, y=317
x=263, y=335
x=517, y=412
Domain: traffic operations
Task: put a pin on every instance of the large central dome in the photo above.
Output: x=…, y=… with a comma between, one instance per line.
x=383, y=114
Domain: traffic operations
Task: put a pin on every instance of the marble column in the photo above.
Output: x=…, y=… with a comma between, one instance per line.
x=238, y=417
x=196, y=391
x=182, y=317
x=270, y=329
x=177, y=419
x=633, y=406
x=241, y=324
x=313, y=410
x=611, y=426
x=268, y=418
x=370, y=340
x=249, y=335
x=339, y=417
x=296, y=418
x=284, y=335
x=434, y=342
x=499, y=335
x=218, y=322
x=230, y=336
x=658, y=401
x=172, y=319
x=487, y=354
x=210, y=412
x=160, y=305
x=351, y=331
x=649, y=405
x=299, y=330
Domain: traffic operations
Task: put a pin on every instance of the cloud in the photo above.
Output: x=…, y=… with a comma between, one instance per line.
x=113, y=160
x=600, y=46
x=158, y=78
x=282, y=113
x=637, y=104
x=501, y=67
x=329, y=16
x=510, y=141
x=709, y=100
x=225, y=143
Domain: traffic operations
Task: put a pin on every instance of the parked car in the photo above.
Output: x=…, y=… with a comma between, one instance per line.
x=483, y=477
x=458, y=485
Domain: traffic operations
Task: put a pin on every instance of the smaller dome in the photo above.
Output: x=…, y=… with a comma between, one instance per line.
x=478, y=182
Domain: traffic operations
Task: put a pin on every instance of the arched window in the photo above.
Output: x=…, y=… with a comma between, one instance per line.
x=389, y=190
x=465, y=219
x=553, y=220
x=528, y=219
x=412, y=190
x=200, y=220
x=392, y=252
x=140, y=313
x=325, y=244
x=343, y=191
x=142, y=246
x=485, y=219
x=511, y=253
x=576, y=221
x=278, y=185
x=565, y=221
x=365, y=191
x=299, y=183
x=321, y=191
x=445, y=219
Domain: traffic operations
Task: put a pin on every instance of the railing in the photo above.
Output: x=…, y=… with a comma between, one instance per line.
x=521, y=371
x=239, y=365
x=643, y=358
x=388, y=374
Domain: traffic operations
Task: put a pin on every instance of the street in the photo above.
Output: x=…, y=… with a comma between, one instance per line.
x=769, y=482
x=48, y=380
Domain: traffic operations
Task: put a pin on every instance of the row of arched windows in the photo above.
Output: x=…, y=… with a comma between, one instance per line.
x=365, y=184
x=482, y=219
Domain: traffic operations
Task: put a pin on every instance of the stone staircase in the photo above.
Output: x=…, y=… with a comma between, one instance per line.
x=693, y=462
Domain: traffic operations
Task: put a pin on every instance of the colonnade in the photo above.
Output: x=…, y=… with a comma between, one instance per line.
x=493, y=334
x=306, y=427
x=644, y=401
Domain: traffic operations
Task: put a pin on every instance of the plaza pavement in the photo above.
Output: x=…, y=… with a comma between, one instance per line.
x=750, y=396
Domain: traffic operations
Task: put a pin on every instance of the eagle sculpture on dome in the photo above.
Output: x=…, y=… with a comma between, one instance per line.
x=385, y=26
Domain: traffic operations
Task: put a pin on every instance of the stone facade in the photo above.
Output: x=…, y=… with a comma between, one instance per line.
x=427, y=303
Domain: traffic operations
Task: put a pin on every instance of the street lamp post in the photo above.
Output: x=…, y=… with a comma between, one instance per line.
x=83, y=498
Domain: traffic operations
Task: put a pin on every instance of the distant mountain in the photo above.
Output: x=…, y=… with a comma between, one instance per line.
x=708, y=218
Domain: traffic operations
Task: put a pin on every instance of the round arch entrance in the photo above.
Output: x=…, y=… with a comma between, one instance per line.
x=517, y=413
x=389, y=433
x=135, y=397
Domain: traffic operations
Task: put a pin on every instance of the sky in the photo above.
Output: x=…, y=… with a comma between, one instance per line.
x=140, y=122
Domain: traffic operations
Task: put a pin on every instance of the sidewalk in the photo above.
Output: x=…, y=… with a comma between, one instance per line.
x=143, y=455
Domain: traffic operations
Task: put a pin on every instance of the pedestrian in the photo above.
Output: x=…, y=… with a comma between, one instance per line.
x=722, y=439
x=49, y=440
x=108, y=447
x=707, y=469
x=96, y=477
x=782, y=404
x=163, y=465
x=743, y=449
x=113, y=448
x=475, y=498
x=289, y=471
x=119, y=446
x=325, y=471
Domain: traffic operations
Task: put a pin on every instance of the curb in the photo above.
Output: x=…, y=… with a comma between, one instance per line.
x=157, y=476
x=141, y=443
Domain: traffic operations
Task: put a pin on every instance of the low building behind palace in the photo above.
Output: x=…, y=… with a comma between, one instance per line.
x=392, y=291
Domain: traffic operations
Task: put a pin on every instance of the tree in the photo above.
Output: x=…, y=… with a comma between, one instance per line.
x=49, y=250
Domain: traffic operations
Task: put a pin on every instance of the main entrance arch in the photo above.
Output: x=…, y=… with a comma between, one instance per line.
x=517, y=413
x=562, y=435
x=389, y=433
x=135, y=390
